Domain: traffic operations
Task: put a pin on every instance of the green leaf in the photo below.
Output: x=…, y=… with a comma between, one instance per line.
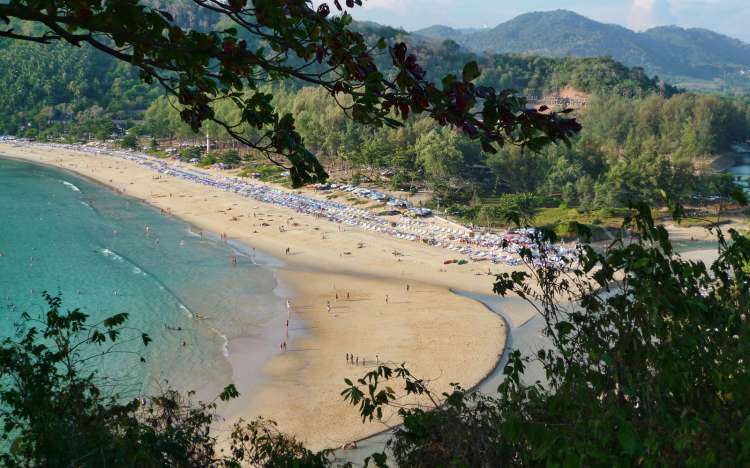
x=628, y=440
x=739, y=196
x=471, y=71
x=230, y=392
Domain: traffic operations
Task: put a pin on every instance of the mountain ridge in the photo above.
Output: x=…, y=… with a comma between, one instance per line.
x=672, y=52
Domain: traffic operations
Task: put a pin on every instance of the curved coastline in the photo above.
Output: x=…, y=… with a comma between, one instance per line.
x=211, y=333
x=314, y=276
x=487, y=384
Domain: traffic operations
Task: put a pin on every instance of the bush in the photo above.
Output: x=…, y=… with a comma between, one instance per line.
x=129, y=141
x=56, y=412
x=230, y=158
x=209, y=159
x=192, y=152
x=647, y=365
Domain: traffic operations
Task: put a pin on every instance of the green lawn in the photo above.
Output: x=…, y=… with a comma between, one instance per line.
x=554, y=216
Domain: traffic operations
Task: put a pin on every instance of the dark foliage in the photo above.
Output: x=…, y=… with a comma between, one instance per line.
x=645, y=364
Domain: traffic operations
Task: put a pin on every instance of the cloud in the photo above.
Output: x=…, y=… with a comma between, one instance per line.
x=646, y=14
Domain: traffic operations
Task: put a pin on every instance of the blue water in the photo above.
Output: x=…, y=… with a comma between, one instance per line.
x=74, y=238
x=742, y=171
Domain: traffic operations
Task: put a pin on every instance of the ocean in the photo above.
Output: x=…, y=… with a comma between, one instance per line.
x=212, y=323
x=741, y=171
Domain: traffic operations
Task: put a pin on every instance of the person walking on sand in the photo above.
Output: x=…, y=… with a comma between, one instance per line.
x=328, y=306
x=347, y=295
x=386, y=298
x=407, y=287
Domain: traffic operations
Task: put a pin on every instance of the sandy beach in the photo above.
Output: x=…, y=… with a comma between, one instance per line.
x=440, y=336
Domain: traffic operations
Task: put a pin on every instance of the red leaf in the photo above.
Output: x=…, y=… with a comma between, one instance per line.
x=323, y=10
x=320, y=53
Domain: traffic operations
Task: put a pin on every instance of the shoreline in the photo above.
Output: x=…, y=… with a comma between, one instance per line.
x=436, y=332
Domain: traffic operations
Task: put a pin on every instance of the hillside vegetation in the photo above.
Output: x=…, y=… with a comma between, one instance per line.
x=677, y=54
x=54, y=90
x=640, y=134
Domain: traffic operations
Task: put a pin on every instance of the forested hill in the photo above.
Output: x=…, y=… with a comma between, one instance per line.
x=54, y=85
x=681, y=55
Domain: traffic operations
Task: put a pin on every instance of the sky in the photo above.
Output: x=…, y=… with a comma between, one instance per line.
x=730, y=17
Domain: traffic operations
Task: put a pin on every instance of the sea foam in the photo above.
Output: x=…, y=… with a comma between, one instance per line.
x=72, y=186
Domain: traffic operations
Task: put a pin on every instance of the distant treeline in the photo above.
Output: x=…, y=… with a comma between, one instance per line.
x=53, y=90
x=640, y=135
x=630, y=149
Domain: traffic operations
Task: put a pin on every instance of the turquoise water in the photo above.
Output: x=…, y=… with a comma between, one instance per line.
x=72, y=237
x=742, y=171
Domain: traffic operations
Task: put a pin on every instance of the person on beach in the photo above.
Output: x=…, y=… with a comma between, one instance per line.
x=288, y=304
x=407, y=287
x=347, y=295
x=386, y=298
x=347, y=358
x=328, y=306
x=287, y=251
